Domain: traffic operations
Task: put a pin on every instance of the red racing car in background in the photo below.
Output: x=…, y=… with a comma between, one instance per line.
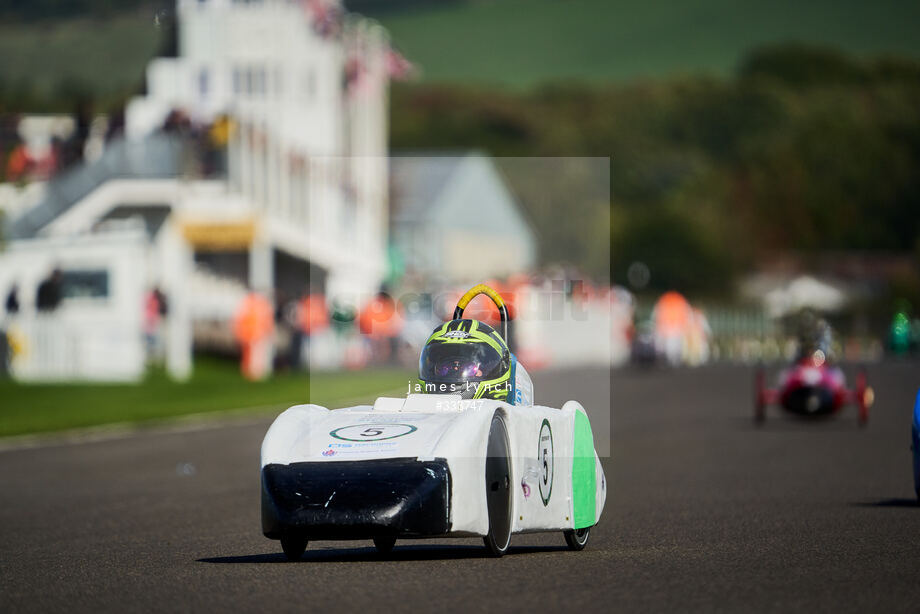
x=813, y=387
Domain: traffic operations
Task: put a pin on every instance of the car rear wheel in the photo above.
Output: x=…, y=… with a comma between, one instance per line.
x=293, y=546
x=577, y=539
x=498, y=489
x=385, y=543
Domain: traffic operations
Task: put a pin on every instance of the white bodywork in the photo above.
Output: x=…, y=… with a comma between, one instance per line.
x=429, y=426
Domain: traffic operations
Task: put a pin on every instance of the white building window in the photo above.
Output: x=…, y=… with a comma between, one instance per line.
x=90, y=283
x=203, y=82
x=259, y=82
x=237, y=80
x=279, y=81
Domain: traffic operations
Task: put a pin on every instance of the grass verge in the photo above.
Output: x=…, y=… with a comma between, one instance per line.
x=215, y=386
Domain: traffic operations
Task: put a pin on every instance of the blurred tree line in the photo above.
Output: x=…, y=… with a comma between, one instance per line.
x=377, y=7
x=803, y=148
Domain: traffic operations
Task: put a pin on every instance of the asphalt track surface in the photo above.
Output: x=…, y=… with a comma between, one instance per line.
x=705, y=513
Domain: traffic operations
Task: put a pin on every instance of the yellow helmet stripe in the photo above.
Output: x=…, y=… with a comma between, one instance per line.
x=475, y=335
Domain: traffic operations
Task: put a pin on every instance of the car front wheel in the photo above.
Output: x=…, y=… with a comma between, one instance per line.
x=577, y=539
x=293, y=546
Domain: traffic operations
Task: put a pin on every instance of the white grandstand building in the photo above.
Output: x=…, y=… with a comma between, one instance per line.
x=300, y=89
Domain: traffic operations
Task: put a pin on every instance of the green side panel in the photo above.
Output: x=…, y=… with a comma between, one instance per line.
x=584, y=473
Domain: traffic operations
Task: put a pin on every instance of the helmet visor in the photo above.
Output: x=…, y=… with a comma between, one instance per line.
x=458, y=363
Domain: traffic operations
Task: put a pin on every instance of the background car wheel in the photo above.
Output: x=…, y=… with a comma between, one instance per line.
x=385, y=543
x=293, y=546
x=760, y=406
x=578, y=538
x=865, y=396
x=498, y=489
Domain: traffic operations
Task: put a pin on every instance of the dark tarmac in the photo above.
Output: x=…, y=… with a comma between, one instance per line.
x=706, y=512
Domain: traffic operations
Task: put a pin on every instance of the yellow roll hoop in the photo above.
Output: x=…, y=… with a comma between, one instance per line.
x=492, y=294
x=476, y=291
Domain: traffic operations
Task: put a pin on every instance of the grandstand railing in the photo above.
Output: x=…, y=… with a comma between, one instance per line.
x=159, y=156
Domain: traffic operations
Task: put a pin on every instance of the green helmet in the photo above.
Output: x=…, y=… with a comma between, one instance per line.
x=466, y=357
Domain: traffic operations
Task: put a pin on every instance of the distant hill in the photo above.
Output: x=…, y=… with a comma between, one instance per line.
x=521, y=43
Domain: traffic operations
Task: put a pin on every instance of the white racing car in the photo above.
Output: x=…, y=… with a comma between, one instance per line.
x=469, y=454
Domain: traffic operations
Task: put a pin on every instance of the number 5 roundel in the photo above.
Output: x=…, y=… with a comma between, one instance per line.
x=546, y=458
x=372, y=432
